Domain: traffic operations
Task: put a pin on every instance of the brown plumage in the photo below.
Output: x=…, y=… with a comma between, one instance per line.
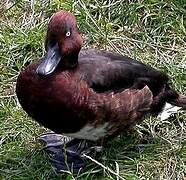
x=92, y=94
x=65, y=103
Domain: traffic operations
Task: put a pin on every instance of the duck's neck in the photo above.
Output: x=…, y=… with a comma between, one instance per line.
x=70, y=61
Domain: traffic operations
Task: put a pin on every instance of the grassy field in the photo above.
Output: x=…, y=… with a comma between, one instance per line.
x=151, y=31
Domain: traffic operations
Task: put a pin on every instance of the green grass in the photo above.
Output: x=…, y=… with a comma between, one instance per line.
x=151, y=31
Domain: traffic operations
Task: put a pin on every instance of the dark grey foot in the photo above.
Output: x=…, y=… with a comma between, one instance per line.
x=66, y=153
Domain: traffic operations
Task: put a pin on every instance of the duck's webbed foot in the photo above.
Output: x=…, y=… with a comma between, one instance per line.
x=67, y=154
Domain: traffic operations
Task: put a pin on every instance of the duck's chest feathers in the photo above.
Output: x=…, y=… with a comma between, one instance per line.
x=64, y=88
x=59, y=101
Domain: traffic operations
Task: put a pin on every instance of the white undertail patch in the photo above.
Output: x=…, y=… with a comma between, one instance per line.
x=168, y=110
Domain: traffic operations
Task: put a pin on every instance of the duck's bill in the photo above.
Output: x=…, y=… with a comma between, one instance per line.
x=50, y=61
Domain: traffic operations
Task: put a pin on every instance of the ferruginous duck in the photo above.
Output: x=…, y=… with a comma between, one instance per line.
x=90, y=95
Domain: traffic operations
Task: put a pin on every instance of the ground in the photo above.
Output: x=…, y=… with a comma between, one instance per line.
x=151, y=31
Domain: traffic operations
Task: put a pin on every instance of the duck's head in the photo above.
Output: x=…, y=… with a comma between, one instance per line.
x=63, y=43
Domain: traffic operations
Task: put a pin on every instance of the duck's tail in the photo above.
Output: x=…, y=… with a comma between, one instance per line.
x=168, y=95
x=174, y=98
x=179, y=101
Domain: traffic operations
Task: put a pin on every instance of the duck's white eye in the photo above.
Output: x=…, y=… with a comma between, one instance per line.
x=68, y=33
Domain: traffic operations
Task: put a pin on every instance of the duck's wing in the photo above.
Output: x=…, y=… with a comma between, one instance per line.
x=106, y=71
x=123, y=110
x=132, y=101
